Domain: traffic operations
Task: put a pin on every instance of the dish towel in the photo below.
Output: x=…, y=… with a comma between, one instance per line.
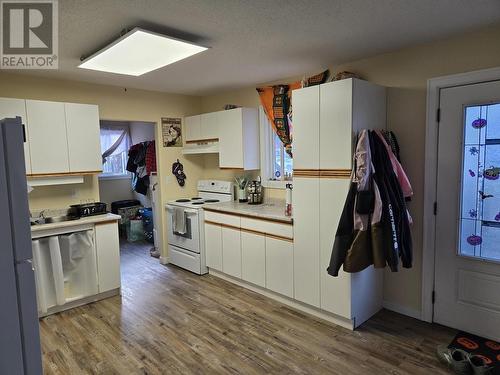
x=179, y=221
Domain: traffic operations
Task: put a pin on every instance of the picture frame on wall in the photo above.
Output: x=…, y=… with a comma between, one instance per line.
x=171, y=131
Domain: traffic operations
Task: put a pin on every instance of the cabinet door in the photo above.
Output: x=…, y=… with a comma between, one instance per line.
x=84, y=141
x=231, y=139
x=47, y=137
x=253, y=258
x=209, y=125
x=12, y=108
x=213, y=246
x=192, y=128
x=306, y=238
x=279, y=266
x=108, y=256
x=336, y=125
x=335, y=291
x=231, y=252
x=306, y=128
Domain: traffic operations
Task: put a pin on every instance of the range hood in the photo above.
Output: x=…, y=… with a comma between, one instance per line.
x=208, y=146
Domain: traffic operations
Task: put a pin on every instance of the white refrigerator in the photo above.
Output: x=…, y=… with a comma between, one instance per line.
x=20, y=351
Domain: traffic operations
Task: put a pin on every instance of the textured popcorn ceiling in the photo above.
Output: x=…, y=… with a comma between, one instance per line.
x=256, y=41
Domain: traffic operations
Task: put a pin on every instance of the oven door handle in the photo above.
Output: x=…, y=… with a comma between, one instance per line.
x=186, y=210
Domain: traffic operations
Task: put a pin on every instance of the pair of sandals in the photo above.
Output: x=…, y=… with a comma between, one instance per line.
x=463, y=363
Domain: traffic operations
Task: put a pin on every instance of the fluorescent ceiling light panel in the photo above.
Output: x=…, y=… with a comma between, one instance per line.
x=138, y=52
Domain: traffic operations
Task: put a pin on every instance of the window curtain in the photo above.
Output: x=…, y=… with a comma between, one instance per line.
x=277, y=103
x=115, y=139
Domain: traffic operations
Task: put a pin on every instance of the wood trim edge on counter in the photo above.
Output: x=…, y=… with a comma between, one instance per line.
x=202, y=140
x=222, y=225
x=106, y=222
x=322, y=173
x=282, y=238
x=249, y=216
x=232, y=168
x=63, y=174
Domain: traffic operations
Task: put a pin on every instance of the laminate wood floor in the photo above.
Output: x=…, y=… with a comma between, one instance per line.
x=169, y=321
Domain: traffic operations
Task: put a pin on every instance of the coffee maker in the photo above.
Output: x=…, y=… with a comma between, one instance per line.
x=254, y=190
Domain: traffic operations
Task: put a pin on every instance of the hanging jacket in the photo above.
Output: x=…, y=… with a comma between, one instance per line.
x=380, y=235
x=394, y=214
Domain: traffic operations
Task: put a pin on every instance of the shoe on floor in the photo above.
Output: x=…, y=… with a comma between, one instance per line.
x=479, y=365
x=455, y=359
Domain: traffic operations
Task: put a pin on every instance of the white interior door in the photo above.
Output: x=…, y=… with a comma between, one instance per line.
x=467, y=273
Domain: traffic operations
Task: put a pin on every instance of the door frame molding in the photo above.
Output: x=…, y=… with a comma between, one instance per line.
x=434, y=87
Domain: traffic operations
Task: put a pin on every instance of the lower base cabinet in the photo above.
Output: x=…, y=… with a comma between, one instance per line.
x=108, y=256
x=253, y=258
x=279, y=266
x=258, y=258
x=231, y=252
x=213, y=246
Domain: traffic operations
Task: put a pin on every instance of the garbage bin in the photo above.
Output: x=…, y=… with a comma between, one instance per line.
x=148, y=223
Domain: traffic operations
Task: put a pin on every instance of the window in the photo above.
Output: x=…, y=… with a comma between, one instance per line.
x=480, y=214
x=276, y=164
x=115, y=142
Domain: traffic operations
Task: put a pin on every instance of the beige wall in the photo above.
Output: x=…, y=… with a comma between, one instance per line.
x=115, y=103
x=405, y=73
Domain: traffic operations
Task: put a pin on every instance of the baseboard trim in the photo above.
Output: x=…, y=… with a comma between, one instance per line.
x=331, y=318
x=412, y=313
x=164, y=260
x=80, y=302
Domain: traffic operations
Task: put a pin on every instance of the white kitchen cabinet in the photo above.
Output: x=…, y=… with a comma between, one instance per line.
x=306, y=135
x=213, y=246
x=326, y=119
x=10, y=107
x=253, y=258
x=209, y=127
x=346, y=107
x=192, y=128
x=306, y=227
x=239, y=139
x=231, y=251
x=279, y=266
x=108, y=256
x=335, y=291
x=83, y=132
x=47, y=137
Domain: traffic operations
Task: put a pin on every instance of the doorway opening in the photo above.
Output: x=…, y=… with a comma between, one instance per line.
x=128, y=184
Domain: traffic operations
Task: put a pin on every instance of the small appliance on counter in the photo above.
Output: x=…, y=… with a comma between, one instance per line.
x=88, y=209
x=254, y=190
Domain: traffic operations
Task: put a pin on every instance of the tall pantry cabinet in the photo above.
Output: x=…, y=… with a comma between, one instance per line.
x=326, y=119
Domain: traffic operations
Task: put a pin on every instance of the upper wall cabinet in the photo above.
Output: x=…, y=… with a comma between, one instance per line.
x=209, y=126
x=61, y=138
x=234, y=134
x=12, y=108
x=239, y=139
x=47, y=137
x=84, y=146
x=192, y=128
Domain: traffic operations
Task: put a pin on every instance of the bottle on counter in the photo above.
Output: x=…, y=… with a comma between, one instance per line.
x=288, y=202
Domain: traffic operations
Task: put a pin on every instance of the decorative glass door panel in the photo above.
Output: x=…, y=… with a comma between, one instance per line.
x=480, y=195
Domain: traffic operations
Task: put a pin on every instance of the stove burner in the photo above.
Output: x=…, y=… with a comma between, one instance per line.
x=212, y=200
x=184, y=200
x=196, y=198
x=197, y=203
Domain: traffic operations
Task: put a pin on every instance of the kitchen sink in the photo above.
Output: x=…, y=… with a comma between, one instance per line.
x=53, y=219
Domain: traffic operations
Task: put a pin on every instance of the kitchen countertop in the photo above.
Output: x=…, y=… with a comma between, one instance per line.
x=273, y=209
x=72, y=223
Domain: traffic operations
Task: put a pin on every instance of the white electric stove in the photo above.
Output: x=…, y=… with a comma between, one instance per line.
x=187, y=247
